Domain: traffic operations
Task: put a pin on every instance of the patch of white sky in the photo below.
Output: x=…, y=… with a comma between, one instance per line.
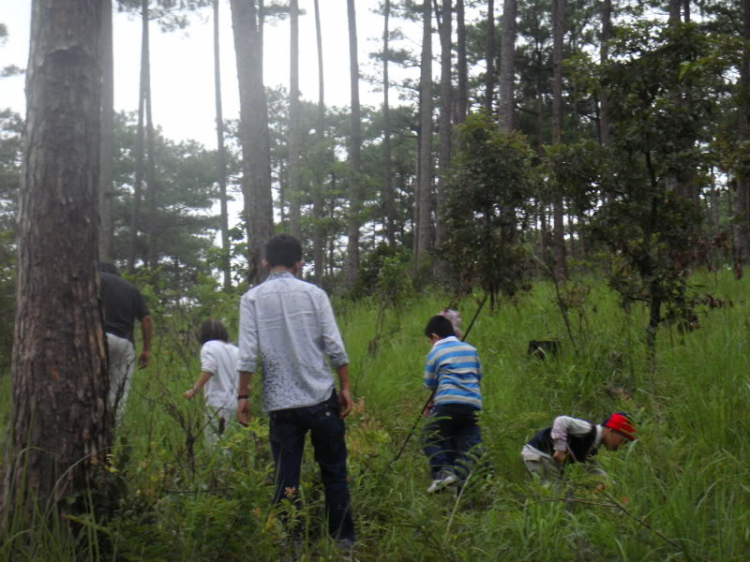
x=182, y=62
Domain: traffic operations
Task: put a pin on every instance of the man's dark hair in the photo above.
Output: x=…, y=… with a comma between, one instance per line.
x=284, y=250
x=440, y=326
x=212, y=329
x=107, y=267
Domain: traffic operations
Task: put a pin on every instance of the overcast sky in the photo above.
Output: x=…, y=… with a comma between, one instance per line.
x=182, y=62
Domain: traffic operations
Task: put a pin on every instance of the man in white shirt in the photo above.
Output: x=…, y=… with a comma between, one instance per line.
x=290, y=324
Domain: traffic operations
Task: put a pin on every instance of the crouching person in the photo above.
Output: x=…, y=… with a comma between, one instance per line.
x=452, y=434
x=572, y=440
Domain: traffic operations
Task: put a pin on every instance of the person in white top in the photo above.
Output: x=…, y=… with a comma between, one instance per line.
x=218, y=378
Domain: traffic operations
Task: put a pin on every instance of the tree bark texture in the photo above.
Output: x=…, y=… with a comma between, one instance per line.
x=489, y=78
x=446, y=133
x=59, y=432
x=389, y=199
x=140, y=143
x=558, y=38
x=254, y=134
x=295, y=186
x=675, y=14
x=351, y=268
x=507, y=64
x=543, y=236
x=318, y=204
x=606, y=36
x=558, y=24
x=681, y=181
x=221, y=155
x=742, y=182
x=153, y=217
x=424, y=194
x=462, y=69
x=106, y=190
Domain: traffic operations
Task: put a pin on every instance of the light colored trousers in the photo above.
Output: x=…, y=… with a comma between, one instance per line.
x=121, y=366
x=544, y=468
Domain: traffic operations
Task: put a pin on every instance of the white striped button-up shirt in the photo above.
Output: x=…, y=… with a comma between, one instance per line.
x=289, y=323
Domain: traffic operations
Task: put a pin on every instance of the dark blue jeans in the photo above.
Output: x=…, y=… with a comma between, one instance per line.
x=449, y=437
x=288, y=430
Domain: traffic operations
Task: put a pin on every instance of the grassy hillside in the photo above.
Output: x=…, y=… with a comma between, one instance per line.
x=681, y=492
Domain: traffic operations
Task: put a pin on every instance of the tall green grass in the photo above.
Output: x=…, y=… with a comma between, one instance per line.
x=681, y=492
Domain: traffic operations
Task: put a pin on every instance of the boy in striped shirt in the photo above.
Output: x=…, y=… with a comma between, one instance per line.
x=453, y=372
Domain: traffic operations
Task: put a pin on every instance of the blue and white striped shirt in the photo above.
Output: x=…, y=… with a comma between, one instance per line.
x=453, y=368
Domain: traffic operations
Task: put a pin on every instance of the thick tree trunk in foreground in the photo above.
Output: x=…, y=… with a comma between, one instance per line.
x=507, y=64
x=221, y=156
x=351, y=267
x=424, y=189
x=108, y=126
x=318, y=233
x=254, y=135
x=295, y=186
x=59, y=431
x=558, y=24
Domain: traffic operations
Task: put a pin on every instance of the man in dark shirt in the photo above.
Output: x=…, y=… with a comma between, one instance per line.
x=122, y=304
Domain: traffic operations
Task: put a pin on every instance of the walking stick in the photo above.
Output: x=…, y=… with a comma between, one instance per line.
x=432, y=394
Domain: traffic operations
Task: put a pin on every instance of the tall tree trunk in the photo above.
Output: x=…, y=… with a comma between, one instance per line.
x=388, y=192
x=446, y=95
x=355, y=141
x=424, y=192
x=153, y=219
x=543, y=233
x=489, y=79
x=606, y=36
x=283, y=183
x=681, y=180
x=417, y=193
x=558, y=24
x=221, y=155
x=674, y=9
x=318, y=204
x=261, y=32
x=295, y=187
x=106, y=191
x=140, y=144
x=59, y=433
x=254, y=134
x=462, y=67
x=742, y=194
x=507, y=64
x=539, y=101
x=332, y=218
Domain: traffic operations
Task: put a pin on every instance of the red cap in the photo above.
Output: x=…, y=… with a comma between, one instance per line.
x=621, y=422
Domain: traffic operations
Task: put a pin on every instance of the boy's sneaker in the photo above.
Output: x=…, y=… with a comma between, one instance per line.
x=442, y=481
